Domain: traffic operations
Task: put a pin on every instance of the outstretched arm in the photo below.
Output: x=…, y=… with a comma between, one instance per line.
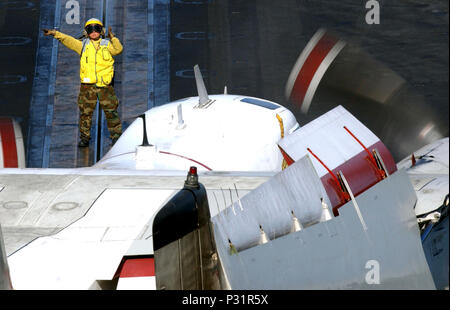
x=68, y=41
x=115, y=48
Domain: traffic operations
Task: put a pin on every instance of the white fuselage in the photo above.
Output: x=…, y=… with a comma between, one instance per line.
x=228, y=135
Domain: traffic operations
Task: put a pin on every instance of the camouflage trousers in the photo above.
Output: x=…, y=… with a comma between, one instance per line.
x=87, y=100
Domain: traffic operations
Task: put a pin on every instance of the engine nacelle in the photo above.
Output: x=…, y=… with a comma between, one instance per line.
x=183, y=241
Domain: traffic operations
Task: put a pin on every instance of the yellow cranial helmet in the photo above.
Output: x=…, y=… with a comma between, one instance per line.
x=93, y=21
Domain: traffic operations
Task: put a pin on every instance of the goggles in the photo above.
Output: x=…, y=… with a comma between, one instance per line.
x=93, y=27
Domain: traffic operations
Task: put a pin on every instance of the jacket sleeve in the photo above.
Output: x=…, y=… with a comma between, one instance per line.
x=69, y=42
x=115, y=48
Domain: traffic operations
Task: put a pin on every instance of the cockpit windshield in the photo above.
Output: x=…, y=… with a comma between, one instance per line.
x=261, y=103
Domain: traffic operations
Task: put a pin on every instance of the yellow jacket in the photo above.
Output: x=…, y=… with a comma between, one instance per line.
x=96, y=61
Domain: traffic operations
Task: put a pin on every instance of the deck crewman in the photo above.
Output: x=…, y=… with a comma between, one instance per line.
x=96, y=75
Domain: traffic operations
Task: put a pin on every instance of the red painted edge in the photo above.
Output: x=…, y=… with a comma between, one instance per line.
x=137, y=267
x=309, y=68
x=286, y=157
x=359, y=172
x=193, y=160
x=8, y=143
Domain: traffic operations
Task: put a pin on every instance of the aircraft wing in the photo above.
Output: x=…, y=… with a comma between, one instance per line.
x=371, y=244
x=74, y=230
x=429, y=173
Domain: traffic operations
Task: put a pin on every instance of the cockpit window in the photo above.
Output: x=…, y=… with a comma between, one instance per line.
x=261, y=103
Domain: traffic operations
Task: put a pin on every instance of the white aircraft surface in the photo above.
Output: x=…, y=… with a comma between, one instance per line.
x=267, y=204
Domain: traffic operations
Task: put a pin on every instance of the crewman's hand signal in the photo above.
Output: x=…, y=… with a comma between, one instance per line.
x=110, y=33
x=49, y=32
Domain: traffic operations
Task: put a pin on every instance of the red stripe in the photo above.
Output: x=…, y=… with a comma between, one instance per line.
x=193, y=160
x=8, y=143
x=360, y=174
x=309, y=68
x=138, y=267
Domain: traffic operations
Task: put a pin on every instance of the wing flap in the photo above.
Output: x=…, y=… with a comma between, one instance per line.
x=338, y=142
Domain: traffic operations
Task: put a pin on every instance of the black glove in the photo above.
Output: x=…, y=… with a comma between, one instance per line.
x=110, y=34
x=49, y=32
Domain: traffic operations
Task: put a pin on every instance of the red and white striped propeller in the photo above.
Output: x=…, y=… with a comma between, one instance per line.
x=12, y=153
x=310, y=67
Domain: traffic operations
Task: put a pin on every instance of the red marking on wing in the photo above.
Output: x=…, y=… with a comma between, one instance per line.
x=137, y=267
x=359, y=172
x=193, y=160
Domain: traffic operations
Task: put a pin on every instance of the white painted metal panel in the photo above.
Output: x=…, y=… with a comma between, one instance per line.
x=328, y=139
x=297, y=188
x=91, y=248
